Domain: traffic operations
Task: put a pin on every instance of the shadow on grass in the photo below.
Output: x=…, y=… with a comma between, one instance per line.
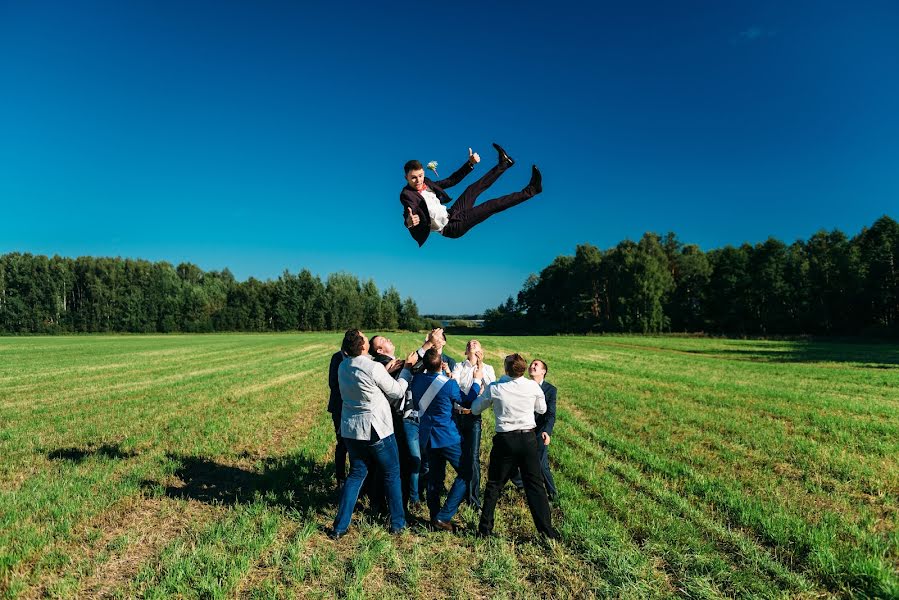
x=877, y=356
x=293, y=481
x=79, y=455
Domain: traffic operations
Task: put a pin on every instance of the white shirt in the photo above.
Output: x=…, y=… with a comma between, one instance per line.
x=437, y=211
x=463, y=373
x=514, y=403
x=365, y=386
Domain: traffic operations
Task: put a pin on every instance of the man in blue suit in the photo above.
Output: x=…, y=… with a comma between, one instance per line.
x=433, y=394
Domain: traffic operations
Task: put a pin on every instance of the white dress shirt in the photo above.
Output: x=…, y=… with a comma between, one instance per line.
x=437, y=211
x=463, y=373
x=365, y=386
x=514, y=403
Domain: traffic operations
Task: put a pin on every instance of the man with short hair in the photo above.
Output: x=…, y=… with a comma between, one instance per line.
x=383, y=351
x=545, y=423
x=470, y=425
x=369, y=393
x=433, y=395
x=423, y=199
x=515, y=399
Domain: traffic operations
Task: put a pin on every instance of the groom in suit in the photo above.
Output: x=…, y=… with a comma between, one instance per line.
x=423, y=200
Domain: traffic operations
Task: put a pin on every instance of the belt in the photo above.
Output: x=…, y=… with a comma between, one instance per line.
x=532, y=430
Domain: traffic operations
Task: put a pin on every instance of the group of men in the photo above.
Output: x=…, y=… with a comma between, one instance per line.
x=400, y=421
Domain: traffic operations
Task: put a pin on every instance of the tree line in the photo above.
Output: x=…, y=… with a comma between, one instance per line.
x=91, y=295
x=830, y=284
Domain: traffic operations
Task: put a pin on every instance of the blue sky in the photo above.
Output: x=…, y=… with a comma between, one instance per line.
x=267, y=136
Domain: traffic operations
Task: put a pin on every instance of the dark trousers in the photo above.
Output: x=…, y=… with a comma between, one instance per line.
x=340, y=453
x=464, y=215
x=470, y=430
x=516, y=449
x=548, y=480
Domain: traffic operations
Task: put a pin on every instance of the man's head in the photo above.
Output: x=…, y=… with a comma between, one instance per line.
x=472, y=347
x=432, y=360
x=378, y=344
x=354, y=343
x=538, y=369
x=415, y=174
x=515, y=365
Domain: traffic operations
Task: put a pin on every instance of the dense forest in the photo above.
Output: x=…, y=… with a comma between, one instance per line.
x=828, y=285
x=86, y=295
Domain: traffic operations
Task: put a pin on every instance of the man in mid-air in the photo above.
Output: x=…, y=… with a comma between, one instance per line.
x=423, y=200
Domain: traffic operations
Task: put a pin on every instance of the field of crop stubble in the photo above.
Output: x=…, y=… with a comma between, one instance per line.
x=201, y=466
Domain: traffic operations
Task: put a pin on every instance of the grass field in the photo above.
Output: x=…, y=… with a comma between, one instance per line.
x=201, y=466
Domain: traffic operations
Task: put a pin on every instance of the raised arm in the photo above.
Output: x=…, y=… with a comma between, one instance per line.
x=461, y=172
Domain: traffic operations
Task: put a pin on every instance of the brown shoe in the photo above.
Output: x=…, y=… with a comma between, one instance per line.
x=438, y=524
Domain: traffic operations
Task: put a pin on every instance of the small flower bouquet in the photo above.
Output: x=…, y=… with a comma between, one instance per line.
x=433, y=166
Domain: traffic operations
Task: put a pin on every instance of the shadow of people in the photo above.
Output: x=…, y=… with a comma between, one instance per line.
x=291, y=481
x=79, y=455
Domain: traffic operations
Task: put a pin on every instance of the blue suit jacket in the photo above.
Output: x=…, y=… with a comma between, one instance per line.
x=436, y=428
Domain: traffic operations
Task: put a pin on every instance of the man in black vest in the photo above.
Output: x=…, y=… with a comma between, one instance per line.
x=423, y=199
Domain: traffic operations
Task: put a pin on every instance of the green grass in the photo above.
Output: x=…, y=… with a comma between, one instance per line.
x=201, y=466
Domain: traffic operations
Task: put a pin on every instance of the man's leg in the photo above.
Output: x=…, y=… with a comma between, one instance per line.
x=498, y=470
x=402, y=448
x=411, y=427
x=548, y=481
x=471, y=454
x=526, y=456
x=464, y=218
x=471, y=193
x=459, y=488
x=436, y=475
x=350, y=493
x=340, y=453
x=388, y=459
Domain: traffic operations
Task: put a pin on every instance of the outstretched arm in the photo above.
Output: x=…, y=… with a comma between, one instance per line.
x=461, y=172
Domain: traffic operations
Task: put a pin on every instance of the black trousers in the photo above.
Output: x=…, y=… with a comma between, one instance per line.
x=340, y=453
x=516, y=449
x=464, y=215
x=548, y=480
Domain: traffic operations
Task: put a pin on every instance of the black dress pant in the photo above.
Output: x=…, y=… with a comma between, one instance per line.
x=464, y=215
x=340, y=452
x=516, y=449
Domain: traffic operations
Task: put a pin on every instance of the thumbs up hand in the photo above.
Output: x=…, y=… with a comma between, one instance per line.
x=473, y=157
x=411, y=220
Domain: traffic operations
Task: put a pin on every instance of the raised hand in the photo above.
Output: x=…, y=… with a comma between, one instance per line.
x=411, y=220
x=473, y=157
x=412, y=359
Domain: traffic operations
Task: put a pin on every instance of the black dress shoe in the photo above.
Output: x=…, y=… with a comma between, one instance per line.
x=535, y=185
x=486, y=534
x=336, y=535
x=438, y=524
x=398, y=530
x=505, y=161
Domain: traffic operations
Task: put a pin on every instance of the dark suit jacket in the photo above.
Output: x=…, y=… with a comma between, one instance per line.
x=547, y=420
x=410, y=198
x=335, y=402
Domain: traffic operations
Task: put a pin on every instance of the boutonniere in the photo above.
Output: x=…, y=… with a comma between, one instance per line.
x=433, y=166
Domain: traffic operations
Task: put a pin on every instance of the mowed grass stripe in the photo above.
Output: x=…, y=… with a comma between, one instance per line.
x=748, y=557
x=832, y=551
x=758, y=451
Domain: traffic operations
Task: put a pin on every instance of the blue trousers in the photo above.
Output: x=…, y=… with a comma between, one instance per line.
x=383, y=452
x=438, y=457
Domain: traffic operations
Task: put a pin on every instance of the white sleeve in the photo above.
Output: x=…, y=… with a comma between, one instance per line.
x=483, y=402
x=539, y=401
x=392, y=388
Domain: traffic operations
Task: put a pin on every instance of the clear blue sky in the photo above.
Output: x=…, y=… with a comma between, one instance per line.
x=263, y=136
